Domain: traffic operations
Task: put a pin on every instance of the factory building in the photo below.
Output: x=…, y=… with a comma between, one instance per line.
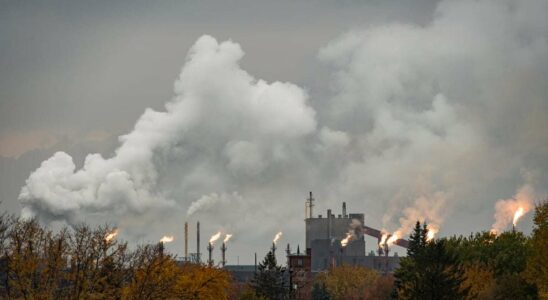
x=325, y=247
x=325, y=235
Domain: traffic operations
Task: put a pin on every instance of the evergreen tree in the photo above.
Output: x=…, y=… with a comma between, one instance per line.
x=269, y=280
x=319, y=292
x=404, y=279
x=430, y=270
x=537, y=263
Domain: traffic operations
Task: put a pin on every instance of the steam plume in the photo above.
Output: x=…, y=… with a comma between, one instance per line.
x=347, y=239
x=277, y=237
x=111, y=235
x=214, y=238
x=510, y=210
x=167, y=239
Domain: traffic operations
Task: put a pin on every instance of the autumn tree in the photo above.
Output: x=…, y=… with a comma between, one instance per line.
x=479, y=282
x=348, y=282
x=154, y=274
x=203, y=282
x=381, y=289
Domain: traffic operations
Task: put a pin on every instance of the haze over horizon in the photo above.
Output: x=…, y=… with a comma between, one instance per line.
x=146, y=116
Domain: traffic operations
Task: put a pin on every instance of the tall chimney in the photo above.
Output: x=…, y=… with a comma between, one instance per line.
x=344, y=210
x=186, y=241
x=310, y=205
x=223, y=252
x=329, y=223
x=161, y=248
x=198, y=242
x=210, y=250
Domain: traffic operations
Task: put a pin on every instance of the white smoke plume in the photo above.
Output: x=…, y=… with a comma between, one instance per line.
x=353, y=232
x=505, y=209
x=248, y=120
x=425, y=209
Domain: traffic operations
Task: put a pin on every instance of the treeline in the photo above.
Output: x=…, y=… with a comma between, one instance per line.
x=82, y=263
x=481, y=266
x=36, y=263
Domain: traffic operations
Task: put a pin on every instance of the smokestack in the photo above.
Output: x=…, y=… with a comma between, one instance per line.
x=198, y=242
x=210, y=250
x=344, y=210
x=288, y=252
x=255, y=262
x=223, y=251
x=309, y=206
x=186, y=240
x=161, y=248
x=329, y=223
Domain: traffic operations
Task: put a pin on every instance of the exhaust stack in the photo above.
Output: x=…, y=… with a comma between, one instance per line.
x=223, y=252
x=210, y=250
x=186, y=241
x=198, y=242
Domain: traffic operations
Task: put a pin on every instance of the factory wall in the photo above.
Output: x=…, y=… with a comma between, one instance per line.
x=333, y=227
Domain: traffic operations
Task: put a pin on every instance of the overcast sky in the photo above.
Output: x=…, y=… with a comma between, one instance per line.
x=403, y=109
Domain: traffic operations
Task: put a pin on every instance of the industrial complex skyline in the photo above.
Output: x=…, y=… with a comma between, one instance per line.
x=147, y=117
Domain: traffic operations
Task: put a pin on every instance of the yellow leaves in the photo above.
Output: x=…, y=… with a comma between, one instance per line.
x=157, y=276
x=202, y=282
x=479, y=281
x=81, y=264
x=348, y=282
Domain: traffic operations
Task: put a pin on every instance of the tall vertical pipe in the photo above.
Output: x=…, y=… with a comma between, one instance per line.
x=329, y=223
x=223, y=251
x=198, y=242
x=210, y=258
x=186, y=240
x=310, y=205
x=344, y=210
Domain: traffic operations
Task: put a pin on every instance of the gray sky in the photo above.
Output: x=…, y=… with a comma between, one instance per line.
x=403, y=109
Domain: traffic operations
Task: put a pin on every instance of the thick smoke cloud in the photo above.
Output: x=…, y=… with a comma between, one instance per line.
x=443, y=115
x=222, y=123
x=424, y=122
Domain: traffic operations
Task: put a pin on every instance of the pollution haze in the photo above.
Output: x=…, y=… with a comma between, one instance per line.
x=144, y=117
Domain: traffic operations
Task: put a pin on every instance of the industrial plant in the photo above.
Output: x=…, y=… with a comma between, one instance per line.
x=330, y=241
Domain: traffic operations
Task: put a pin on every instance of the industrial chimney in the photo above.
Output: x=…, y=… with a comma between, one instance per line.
x=210, y=258
x=186, y=241
x=198, y=242
x=344, y=210
x=223, y=251
x=309, y=206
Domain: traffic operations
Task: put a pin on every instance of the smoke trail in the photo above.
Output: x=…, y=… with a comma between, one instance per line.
x=505, y=209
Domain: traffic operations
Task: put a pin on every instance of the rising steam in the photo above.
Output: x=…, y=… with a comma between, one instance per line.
x=432, y=230
x=347, y=239
x=509, y=211
x=111, y=235
x=167, y=239
x=227, y=238
x=214, y=238
x=277, y=237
